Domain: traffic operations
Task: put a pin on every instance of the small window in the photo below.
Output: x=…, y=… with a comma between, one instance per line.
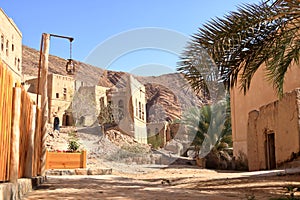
x=12, y=47
x=7, y=45
x=143, y=113
x=19, y=65
x=136, y=108
x=65, y=93
x=2, y=42
x=57, y=95
x=140, y=110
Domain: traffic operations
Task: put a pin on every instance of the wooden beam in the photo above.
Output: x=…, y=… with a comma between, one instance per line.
x=44, y=101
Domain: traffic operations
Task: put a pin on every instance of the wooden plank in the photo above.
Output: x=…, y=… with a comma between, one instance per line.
x=4, y=113
x=2, y=152
x=63, y=165
x=14, y=164
x=31, y=127
x=62, y=155
x=1, y=124
x=9, y=123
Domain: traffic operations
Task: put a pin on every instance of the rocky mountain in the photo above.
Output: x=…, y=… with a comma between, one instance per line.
x=167, y=95
x=57, y=65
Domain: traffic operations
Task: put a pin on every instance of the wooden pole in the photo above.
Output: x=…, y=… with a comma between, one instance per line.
x=83, y=159
x=30, y=155
x=44, y=101
x=39, y=72
x=15, y=136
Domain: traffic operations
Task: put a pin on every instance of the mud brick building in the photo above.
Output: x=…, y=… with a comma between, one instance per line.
x=266, y=130
x=11, y=46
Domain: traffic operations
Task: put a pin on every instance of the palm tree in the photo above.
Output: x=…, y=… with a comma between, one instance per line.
x=197, y=122
x=209, y=126
x=242, y=41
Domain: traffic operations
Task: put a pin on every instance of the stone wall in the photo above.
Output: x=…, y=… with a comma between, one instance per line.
x=138, y=100
x=280, y=118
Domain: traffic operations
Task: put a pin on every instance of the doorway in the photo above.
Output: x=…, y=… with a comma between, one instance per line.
x=270, y=150
x=67, y=120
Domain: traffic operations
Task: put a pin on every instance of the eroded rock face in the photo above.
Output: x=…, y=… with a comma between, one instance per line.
x=161, y=103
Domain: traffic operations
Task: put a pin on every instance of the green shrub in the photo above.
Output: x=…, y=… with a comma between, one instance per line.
x=73, y=145
x=155, y=141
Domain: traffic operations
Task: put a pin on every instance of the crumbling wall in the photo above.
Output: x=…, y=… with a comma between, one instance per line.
x=281, y=118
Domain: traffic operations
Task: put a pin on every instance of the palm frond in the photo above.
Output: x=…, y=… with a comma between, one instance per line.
x=241, y=41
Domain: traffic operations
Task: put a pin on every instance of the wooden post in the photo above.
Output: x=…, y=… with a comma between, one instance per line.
x=15, y=136
x=83, y=159
x=37, y=143
x=30, y=156
x=47, y=154
x=44, y=101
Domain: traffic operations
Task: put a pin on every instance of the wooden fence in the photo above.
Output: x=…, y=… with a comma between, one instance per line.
x=29, y=141
x=29, y=134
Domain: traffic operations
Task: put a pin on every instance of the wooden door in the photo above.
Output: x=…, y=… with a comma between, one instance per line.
x=271, y=157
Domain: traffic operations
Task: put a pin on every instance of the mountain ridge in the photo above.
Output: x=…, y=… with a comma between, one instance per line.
x=165, y=94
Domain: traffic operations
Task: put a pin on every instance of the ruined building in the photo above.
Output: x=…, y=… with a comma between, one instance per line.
x=87, y=104
x=128, y=101
x=82, y=106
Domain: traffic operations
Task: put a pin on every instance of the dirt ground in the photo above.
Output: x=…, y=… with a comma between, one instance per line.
x=173, y=182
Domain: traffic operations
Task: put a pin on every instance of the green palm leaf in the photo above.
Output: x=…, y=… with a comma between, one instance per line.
x=240, y=42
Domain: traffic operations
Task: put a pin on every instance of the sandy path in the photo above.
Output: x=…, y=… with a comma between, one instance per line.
x=130, y=182
x=109, y=187
x=185, y=183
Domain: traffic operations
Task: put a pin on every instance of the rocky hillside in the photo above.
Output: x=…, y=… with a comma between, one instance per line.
x=167, y=95
x=57, y=65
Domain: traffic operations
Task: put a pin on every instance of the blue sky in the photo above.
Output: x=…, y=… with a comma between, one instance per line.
x=94, y=22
